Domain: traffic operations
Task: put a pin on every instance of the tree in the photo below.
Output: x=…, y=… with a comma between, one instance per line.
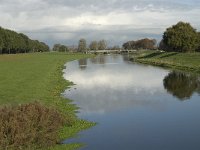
x=163, y=46
x=128, y=45
x=181, y=37
x=1, y=44
x=26, y=42
x=63, y=48
x=60, y=48
x=102, y=45
x=140, y=44
x=145, y=44
x=13, y=42
x=115, y=47
x=93, y=45
x=198, y=49
x=56, y=47
x=82, y=46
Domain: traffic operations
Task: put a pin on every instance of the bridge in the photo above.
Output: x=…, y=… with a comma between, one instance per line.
x=111, y=51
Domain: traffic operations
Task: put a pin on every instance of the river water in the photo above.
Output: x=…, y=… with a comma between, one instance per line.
x=136, y=107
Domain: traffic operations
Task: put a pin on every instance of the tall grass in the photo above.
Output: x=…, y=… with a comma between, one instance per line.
x=29, y=126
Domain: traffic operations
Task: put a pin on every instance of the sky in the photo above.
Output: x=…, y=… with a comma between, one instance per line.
x=117, y=21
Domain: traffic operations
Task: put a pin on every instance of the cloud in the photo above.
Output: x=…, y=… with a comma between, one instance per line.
x=120, y=20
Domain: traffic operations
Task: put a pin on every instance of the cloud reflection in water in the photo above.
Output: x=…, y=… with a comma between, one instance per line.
x=114, y=85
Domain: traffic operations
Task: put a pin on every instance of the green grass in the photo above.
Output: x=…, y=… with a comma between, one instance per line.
x=181, y=61
x=26, y=78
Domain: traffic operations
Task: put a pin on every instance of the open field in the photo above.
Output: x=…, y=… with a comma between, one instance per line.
x=174, y=60
x=26, y=78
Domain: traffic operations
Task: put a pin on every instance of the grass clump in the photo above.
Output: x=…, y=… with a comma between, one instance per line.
x=30, y=126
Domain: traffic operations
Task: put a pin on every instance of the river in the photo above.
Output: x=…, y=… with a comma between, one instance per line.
x=136, y=106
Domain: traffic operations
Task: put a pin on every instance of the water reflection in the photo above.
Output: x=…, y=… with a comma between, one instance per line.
x=82, y=64
x=181, y=85
x=132, y=107
x=126, y=58
x=114, y=85
x=101, y=59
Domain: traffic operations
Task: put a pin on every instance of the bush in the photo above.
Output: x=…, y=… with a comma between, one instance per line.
x=181, y=37
x=29, y=126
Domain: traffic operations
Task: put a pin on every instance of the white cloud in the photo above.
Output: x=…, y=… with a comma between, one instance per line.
x=119, y=19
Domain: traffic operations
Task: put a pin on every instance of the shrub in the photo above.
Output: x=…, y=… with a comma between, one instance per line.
x=29, y=126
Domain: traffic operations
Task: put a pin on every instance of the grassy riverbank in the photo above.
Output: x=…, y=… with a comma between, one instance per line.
x=25, y=78
x=174, y=60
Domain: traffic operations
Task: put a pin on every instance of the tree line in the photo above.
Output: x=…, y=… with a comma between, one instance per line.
x=82, y=46
x=140, y=44
x=94, y=45
x=181, y=37
x=12, y=42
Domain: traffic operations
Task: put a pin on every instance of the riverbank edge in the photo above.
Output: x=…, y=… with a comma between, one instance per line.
x=44, y=88
x=164, y=64
x=67, y=108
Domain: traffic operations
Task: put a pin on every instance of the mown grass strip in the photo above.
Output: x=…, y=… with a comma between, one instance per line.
x=174, y=60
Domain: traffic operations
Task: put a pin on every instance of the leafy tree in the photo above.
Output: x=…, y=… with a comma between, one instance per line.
x=1, y=44
x=26, y=42
x=60, y=48
x=13, y=42
x=56, y=47
x=102, y=45
x=82, y=46
x=198, y=49
x=163, y=46
x=145, y=44
x=128, y=45
x=93, y=45
x=63, y=48
x=140, y=44
x=181, y=37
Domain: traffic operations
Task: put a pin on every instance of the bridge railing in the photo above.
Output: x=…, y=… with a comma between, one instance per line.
x=111, y=51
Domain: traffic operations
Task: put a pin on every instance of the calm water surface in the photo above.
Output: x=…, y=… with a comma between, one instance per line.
x=137, y=107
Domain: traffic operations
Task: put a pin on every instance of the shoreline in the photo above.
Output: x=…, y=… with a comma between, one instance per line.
x=39, y=77
x=169, y=60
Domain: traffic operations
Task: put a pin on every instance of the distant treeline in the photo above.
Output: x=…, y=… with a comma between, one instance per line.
x=181, y=37
x=83, y=47
x=140, y=44
x=12, y=42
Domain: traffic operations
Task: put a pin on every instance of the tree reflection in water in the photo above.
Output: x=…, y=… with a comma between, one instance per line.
x=181, y=85
x=82, y=64
x=100, y=59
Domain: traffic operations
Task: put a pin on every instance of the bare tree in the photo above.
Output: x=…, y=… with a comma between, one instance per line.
x=102, y=45
x=82, y=46
x=93, y=45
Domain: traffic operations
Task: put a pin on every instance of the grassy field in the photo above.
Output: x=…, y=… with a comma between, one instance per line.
x=181, y=61
x=26, y=78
